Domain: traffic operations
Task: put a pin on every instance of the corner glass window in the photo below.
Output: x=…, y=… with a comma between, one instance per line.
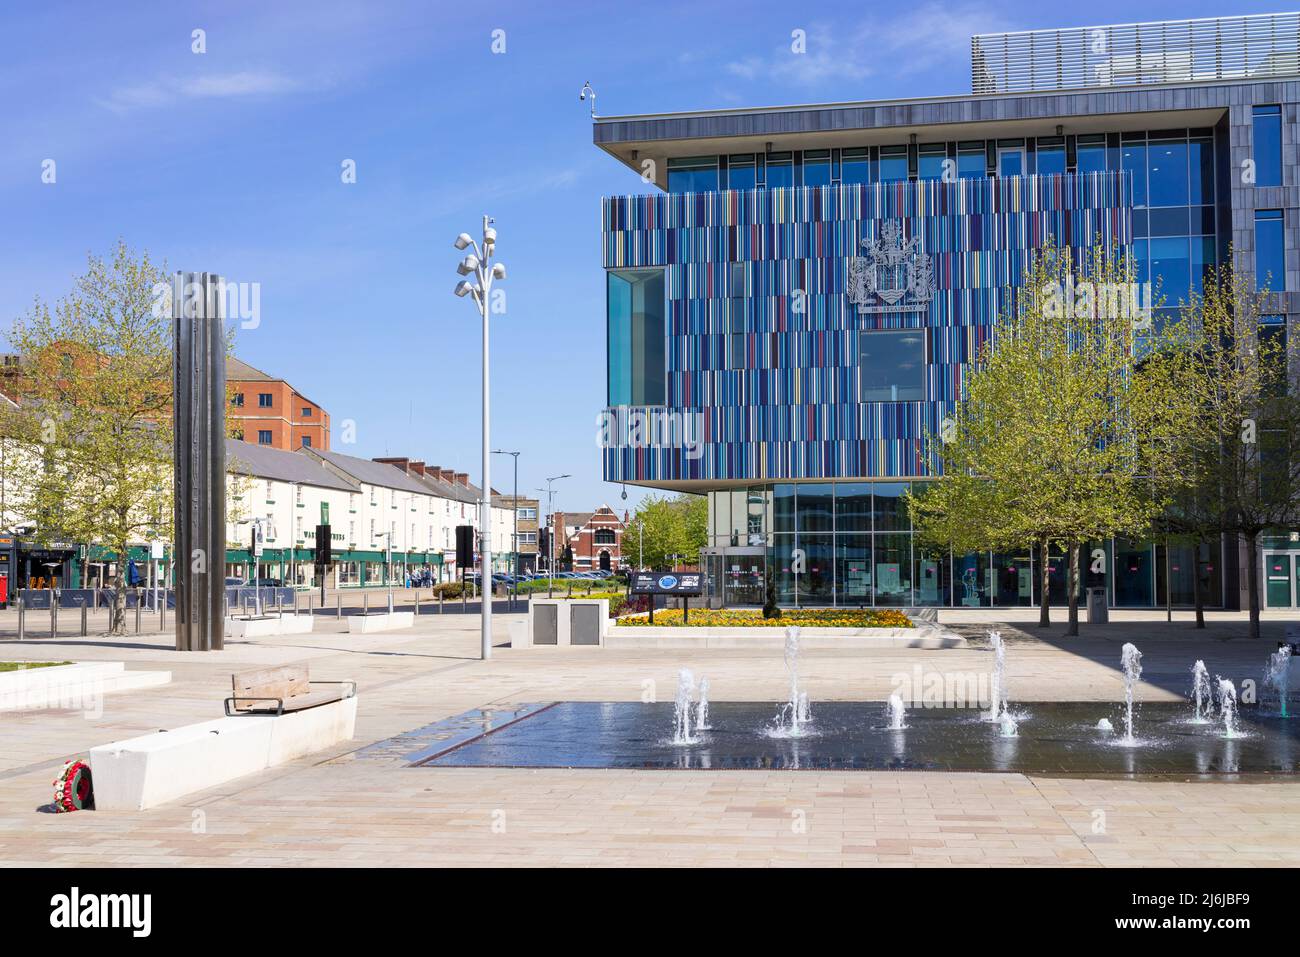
x=1133, y=157
x=891, y=366
x=1266, y=148
x=635, y=313
x=817, y=167
x=693, y=174
x=1270, y=259
x=1200, y=180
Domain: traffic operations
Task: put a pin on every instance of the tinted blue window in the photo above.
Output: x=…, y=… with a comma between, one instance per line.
x=780, y=173
x=855, y=167
x=930, y=165
x=1267, y=147
x=817, y=169
x=1133, y=157
x=893, y=168
x=891, y=366
x=970, y=165
x=1090, y=159
x=1051, y=160
x=1203, y=260
x=693, y=175
x=1167, y=174
x=1171, y=267
x=741, y=177
x=1270, y=248
x=1011, y=162
x=1200, y=159
x=635, y=323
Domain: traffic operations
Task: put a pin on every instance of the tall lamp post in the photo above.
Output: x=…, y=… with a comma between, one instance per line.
x=550, y=521
x=514, y=589
x=479, y=265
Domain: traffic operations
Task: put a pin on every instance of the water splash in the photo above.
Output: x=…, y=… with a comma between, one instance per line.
x=682, y=708
x=897, y=712
x=1279, y=677
x=702, y=707
x=997, y=681
x=1105, y=725
x=796, y=714
x=1007, y=726
x=1131, y=660
x=1228, y=708
x=1202, y=694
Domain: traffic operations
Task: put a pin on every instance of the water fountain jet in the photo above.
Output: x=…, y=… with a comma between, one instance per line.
x=1131, y=660
x=1202, y=694
x=897, y=712
x=702, y=707
x=1279, y=676
x=682, y=708
x=997, y=690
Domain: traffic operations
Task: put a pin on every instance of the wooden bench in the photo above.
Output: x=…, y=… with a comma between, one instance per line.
x=283, y=690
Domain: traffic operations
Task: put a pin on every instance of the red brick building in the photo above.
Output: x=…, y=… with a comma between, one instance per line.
x=269, y=411
x=596, y=538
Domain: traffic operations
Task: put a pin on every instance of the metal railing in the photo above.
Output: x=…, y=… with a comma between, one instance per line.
x=1135, y=54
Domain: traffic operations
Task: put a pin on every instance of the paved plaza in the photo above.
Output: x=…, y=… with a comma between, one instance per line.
x=359, y=804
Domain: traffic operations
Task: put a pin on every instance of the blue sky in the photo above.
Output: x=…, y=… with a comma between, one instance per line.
x=229, y=161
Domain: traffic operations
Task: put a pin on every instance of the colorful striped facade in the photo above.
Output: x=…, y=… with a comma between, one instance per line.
x=772, y=265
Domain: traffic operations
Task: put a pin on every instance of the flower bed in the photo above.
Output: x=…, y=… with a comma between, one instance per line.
x=804, y=617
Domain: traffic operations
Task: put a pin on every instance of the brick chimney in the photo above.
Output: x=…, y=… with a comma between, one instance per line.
x=462, y=478
x=417, y=468
x=401, y=463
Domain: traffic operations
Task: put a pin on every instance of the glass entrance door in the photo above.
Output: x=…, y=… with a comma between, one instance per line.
x=1277, y=580
x=743, y=576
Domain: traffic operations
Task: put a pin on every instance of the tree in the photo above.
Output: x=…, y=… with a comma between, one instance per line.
x=95, y=413
x=669, y=527
x=1050, y=444
x=1235, y=437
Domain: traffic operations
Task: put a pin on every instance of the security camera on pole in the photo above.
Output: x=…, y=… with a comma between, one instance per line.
x=479, y=264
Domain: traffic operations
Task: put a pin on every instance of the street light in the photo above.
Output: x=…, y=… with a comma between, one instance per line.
x=550, y=521
x=479, y=264
x=515, y=587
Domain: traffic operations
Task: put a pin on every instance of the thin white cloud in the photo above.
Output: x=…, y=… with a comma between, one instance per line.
x=903, y=45
x=171, y=89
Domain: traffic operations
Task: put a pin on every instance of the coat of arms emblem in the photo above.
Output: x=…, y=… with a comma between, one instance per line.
x=893, y=276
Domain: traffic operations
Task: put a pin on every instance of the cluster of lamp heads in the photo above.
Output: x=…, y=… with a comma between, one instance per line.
x=477, y=262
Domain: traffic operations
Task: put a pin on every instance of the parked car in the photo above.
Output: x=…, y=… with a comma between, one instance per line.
x=262, y=583
x=234, y=582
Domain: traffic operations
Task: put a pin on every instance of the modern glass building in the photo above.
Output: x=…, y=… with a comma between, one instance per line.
x=797, y=305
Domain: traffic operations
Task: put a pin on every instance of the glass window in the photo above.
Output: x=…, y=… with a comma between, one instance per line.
x=636, y=337
x=1090, y=154
x=853, y=570
x=1266, y=149
x=853, y=507
x=889, y=508
x=817, y=167
x=817, y=584
x=892, y=556
x=1203, y=260
x=1167, y=174
x=970, y=580
x=237, y=400
x=855, y=166
x=736, y=349
x=1273, y=354
x=1171, y=267
x=1050, y=157
x=1200, y=160
x=306, y=441
x=932, y=575
x=693, y=174
x=740, y=172
x=264, y=400
x=780, y=170
x=930, y=161
x=263, y=437
x=1011, y=161
x=893, y=163
x=815, y=507
x=720, y=517
x=1133, y=157
x=783, y=508
x=1013, y=579
x=1270, y=259
x=891, y=366
x=1170, y=221
x=971, y=164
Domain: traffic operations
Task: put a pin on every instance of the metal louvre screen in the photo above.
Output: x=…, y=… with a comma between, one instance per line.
x=1131, y=54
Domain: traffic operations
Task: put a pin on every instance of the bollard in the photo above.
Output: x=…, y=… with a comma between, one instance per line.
x=417, y=604
x=279, y=604
x=390, y=601
x=84, y=629
x=441, y=600
x=162, y=614
x=54, y=617
x=365, y=603
x=138, y=607
x=339, y=600
x=22, y=618
x=295, y=601
x=463, y=606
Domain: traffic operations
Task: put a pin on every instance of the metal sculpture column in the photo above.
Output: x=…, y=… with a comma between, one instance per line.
x=199, y=418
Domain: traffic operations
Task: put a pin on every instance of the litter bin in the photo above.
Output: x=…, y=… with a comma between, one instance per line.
x=1098, y=610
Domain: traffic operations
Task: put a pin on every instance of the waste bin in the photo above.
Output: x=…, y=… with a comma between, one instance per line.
x=1098, y=610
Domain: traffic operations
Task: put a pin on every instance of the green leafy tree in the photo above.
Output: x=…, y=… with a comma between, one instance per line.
x=1235, y=434
x=664, y=528
x=94, y=415
x=1048, y=447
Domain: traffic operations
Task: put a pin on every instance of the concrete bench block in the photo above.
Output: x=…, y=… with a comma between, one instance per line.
x=77, y=686
x=266, y=627
x=152, y=769
x=315, y=729
x=365, y=624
